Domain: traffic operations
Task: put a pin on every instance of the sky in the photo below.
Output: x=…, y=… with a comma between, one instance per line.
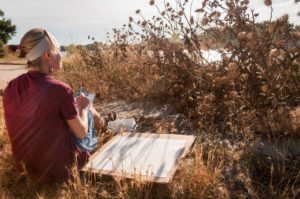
x=71, y=21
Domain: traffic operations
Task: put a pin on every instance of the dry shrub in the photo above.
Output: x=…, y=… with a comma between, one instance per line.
x=162, y=59
x=100, y=71
x=253, y=90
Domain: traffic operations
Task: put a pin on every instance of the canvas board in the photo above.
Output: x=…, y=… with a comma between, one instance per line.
x=146, y=156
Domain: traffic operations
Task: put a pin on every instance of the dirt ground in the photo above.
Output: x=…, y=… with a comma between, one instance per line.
x=149, y=117
x=9, y=72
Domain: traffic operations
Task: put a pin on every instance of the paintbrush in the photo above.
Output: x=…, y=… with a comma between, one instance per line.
x=80, y=91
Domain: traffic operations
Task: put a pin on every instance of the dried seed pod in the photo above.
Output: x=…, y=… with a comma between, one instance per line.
x=271, y=28
x=251, y=36
x=242, y=35
x=251, y=44
x=264, y=88
x=268, y=2
x=245, y=2
x=233, y=94
x=274, y=52
x=244, y=77
x=283, y=19
x=232, y=66
x=151, y=2
x=281, y=110
x=282, y=54
x=204, y=21
x=223, y=29
x=144, y=23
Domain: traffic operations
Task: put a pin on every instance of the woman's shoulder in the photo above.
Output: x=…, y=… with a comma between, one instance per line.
x=58, y=83
x=19, y=78
x=16, y=83
x=36, y=78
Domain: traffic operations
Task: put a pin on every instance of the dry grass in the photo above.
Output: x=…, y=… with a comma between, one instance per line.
x=196, y=177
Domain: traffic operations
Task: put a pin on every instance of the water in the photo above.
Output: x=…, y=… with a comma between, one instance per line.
x=209, y=55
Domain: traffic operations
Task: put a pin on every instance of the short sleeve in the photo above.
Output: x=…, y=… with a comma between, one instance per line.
x=67, y=104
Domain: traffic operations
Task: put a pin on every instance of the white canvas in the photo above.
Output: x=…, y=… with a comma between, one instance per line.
x=135, y=155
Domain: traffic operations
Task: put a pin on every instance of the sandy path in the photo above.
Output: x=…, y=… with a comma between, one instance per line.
x=9, y=72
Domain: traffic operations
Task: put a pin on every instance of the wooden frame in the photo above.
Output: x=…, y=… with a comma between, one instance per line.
x=189, y=138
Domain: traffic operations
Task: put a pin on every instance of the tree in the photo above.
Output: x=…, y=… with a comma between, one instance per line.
x=7, y=29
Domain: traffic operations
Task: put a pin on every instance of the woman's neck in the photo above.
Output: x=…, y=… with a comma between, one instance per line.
x=41, y=69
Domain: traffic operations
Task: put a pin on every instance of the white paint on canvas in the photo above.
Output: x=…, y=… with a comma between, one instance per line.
x=139, y=155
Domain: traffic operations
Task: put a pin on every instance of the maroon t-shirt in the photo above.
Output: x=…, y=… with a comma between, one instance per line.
x=36, y=107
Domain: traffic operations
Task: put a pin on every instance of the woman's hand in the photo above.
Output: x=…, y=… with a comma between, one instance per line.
x=79, y=125
x=82, y=101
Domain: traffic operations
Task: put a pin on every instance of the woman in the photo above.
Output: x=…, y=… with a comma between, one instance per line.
x=48, y=131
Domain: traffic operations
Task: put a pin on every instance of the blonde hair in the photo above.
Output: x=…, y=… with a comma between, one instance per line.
x=29, y=41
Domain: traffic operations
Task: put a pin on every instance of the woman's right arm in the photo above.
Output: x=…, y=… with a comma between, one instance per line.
x=79, y=125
